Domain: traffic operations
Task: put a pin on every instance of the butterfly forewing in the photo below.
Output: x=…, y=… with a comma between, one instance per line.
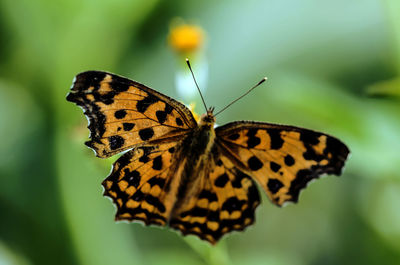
x=123, y=113
x=223, y=199
x=283, y=159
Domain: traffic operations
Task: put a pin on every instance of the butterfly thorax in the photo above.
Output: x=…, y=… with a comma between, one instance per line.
x=205, y=131
x=200, y=142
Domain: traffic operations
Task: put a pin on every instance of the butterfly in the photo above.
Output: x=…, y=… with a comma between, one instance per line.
x=186, y=174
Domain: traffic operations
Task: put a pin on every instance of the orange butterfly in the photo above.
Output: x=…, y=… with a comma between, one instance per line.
x=191, y=176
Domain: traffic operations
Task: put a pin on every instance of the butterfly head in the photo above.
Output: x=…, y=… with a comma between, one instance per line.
x=208, y=118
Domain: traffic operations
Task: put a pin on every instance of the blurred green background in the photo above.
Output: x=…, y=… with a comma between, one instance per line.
x=333, y=66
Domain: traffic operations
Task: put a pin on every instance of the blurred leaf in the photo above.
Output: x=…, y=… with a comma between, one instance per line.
x=393, y=12
x=17, y=127
x=171, y=257
x=380, y=205
x=267, y=257
x=8, y=257
x=388, y=88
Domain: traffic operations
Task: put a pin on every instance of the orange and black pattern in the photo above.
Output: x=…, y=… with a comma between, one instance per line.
x=222, y=199
x=138, y=181
x=283, y=159
x=188, y=175
x=123, y=113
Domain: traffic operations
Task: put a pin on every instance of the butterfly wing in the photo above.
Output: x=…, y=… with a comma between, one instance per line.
x=140, y=181
x=223, y=199
x=282, y=159
x=123, y=113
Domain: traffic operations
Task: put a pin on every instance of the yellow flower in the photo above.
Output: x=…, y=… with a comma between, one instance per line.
x=185, y=38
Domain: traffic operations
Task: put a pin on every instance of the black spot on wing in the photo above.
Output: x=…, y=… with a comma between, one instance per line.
x=274, y=166
x=146, y=134
x=120, y=114
x=252, y=139
x=133, y=177
x=289, y=160
x=275, y=137
x=221, y=180
x=144, y=104
x=179, y=121
x=232, y=204
x=118, y=84
x=157, y=163
x=254, y=163
x=128, y=126
x=274, y=185
x=116, y=142
x=161, y=116
x=171, y=150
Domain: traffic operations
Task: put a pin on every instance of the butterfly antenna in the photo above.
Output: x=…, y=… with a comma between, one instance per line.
x=201, y=95
x=227, y=106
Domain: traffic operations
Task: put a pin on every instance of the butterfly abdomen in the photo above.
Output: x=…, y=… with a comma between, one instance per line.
x=196, y=148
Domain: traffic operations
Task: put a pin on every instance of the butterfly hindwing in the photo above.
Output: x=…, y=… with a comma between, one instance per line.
x=123, y=113
x=138, y=183
x=282, y=159
x=223, y=199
